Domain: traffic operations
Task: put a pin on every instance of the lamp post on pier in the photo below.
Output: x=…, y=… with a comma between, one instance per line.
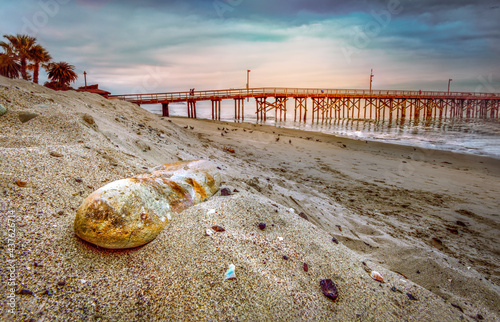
x=449, y=82
x=85, y=77
x=371, y=81
x=248, y=83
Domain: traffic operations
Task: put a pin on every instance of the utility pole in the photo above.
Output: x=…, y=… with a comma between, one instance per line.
x=371, y=81
x=449, y=82
x=85, y=76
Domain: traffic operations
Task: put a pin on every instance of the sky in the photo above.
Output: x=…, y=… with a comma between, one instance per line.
x=161, y=46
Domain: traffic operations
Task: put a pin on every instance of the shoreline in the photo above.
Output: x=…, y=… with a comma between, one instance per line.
x=465, y=159
x=418, y=144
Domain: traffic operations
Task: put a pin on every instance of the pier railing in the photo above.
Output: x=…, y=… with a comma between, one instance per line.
x=172, y=97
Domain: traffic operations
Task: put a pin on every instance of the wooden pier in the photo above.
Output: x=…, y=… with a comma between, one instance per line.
x=329, y=104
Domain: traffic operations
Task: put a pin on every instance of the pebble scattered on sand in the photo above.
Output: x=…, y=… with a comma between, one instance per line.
x=329, y=289
x=56, y=154
x=303, y=215
x=218, y=229
x=225, y=192
x=411, y=297
x=88, y=119
x=262, y=226
x=21, y=184
x=3, y=110
x=335, y=240
x=26, y=116
x=306, y=267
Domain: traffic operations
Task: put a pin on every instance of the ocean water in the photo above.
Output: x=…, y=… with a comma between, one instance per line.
x=470, y=136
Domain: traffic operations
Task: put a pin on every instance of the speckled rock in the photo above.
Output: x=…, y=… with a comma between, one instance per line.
x=132, y=212
x=3, y=110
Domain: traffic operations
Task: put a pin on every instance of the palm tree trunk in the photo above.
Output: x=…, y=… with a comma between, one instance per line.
x=36, y=72
x=24, y=67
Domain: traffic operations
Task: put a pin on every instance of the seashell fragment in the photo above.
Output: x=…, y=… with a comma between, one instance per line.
x=376, y=276
x=131, y=212
x=230, y=273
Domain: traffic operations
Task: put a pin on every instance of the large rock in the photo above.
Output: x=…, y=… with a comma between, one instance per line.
x=3, y=110
x=132, y=212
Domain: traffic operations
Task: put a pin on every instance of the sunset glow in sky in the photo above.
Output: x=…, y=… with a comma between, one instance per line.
x=159, y=46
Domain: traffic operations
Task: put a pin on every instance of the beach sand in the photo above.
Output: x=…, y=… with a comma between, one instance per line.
x=427, y=220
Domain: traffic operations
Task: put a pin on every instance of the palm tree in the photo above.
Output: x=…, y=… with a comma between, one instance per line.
x=38, y=55
x=9, y=67
x=61, y=74
x=22, y=45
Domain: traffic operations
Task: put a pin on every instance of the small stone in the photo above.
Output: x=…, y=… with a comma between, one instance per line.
x=56, y=154
x=339, y=227
x=461, y=223
x=306, y=267
x=21, y=184
x=329, y=289
x=78, y=180
x=479, y=317
x=61, y=283
x=218, y=229
x=411, y=297
x=285, y=257
x=60, y=213
x=262, y=226
x=48, y=292
x=236, y=190
x=225, y=192
x=25, y=292
x=209, y=232
x=26, y=116
x=303, y=215
x=3, y=110
x=89, y=119
x=335, y=240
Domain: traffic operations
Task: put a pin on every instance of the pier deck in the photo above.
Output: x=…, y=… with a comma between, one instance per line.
x=333, y=103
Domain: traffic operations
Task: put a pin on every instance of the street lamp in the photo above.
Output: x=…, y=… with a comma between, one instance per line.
x=248, y=83
x=449, y=82
x=85, y=76
x=371, y=81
